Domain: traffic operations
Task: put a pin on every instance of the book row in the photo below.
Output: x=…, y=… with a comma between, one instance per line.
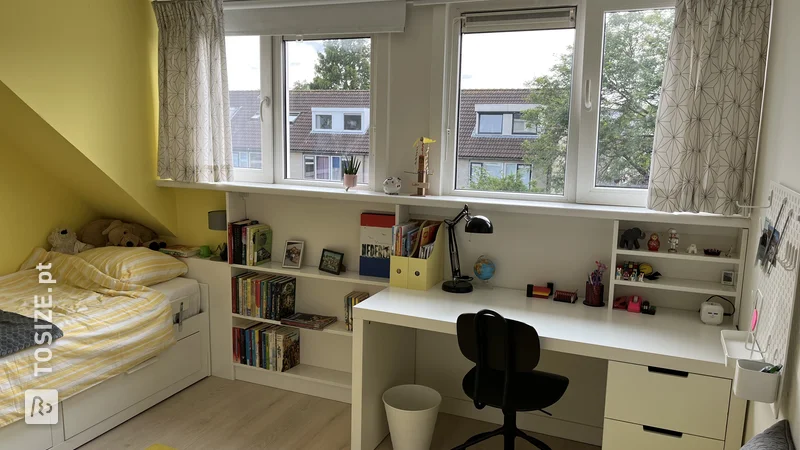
x=270, y=347
x=350, y=300
x=266, y=296
x=249, y=242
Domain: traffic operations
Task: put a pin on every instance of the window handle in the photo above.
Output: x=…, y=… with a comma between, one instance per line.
x=264, y=100
x=587, y=94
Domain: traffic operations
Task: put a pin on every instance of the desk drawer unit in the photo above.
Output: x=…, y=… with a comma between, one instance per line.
x=670, y=400
x=627, y=436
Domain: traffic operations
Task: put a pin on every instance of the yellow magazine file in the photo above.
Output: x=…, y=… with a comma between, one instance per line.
x=420, y=274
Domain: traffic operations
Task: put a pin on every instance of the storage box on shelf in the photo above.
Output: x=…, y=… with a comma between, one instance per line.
x=687, y=279
x=420, y=274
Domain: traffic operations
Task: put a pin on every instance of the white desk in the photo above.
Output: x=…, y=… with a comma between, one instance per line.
x=386, y=322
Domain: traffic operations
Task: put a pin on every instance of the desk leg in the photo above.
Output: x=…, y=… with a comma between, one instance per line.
x=383, y=357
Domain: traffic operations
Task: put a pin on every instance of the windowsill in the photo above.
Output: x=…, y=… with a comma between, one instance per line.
x=485, y=204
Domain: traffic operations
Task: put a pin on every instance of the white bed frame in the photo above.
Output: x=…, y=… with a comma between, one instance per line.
x=94, y=411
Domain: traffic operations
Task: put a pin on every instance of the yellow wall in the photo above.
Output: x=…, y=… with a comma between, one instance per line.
x=33, y=205
x=193, y=206
x=88, y=68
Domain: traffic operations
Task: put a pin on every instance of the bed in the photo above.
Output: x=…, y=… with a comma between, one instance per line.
x=125, y=348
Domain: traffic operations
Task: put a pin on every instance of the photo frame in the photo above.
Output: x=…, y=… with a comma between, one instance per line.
x=728, y=278
x=293, y=254
x=331, y=261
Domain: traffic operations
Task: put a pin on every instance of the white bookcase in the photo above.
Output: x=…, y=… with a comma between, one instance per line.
x=687, y=279
x=325, y=368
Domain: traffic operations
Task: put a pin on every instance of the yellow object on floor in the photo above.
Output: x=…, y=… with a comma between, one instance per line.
x=160, y=447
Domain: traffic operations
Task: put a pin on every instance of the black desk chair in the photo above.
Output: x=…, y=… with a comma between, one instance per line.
x=505, y=352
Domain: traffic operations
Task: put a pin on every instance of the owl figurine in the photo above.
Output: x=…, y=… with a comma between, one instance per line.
x=392, y=185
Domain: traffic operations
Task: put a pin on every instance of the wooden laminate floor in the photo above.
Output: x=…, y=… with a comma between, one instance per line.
x=221, y=414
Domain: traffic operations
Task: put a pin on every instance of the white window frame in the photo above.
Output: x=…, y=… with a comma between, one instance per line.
x=587, y=192
x=281, y=122
x=453, y=71
x=265, y=174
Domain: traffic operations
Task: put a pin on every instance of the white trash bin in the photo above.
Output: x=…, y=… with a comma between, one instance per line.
x=411, y=410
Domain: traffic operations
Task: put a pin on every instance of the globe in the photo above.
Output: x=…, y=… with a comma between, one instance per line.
x=484, y=268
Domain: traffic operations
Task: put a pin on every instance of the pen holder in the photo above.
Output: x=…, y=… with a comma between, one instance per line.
x=750, y=383
x=594, y=294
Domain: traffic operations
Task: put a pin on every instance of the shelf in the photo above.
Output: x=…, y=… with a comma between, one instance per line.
x=643, y=254
x=338, y=327
x=475, y=199
x=682, y=285
x=313, y=272
x=309, y=373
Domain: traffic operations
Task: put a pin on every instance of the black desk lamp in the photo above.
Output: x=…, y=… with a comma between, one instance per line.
x=475, y=224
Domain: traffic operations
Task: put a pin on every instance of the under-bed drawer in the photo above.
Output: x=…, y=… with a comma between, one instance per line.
x=627, y=436
x=678, y=401
x=112, y=396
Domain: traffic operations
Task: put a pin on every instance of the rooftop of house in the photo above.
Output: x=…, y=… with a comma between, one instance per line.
x=246, y=123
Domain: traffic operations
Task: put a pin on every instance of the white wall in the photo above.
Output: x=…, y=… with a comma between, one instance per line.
x=778, y=160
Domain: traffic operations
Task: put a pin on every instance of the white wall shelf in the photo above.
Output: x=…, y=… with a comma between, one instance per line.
x=643, y=255
x=683, y=285
x=338, y=327
x=350, y=276
x=306, y=372
x=520, y=206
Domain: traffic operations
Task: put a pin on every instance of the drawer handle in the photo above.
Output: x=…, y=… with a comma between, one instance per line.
x=663, y=431
x=399, y=271
x=663, y=371
x=416, y=273
x=141, y=366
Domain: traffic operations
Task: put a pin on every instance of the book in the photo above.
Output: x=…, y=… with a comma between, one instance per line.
x=236, y=241
x=376, y=234
x=309, y=321
x=266, y=296
x=180, y=251
x=259, y=244
x=351, y=300
x=400, y=237
x=287, y=344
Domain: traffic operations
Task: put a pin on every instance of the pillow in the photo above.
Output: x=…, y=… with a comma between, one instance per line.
x=137, y=265
x=776, y=437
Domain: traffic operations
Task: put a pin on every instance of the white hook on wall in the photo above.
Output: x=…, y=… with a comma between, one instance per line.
x=769, y=205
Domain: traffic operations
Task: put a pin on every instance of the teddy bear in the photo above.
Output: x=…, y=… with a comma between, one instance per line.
x=64, y=240
x=111, y=232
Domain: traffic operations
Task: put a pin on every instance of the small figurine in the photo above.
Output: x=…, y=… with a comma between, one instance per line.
x=618, y=274
x=673, y=240
x=640, y=277
x=692, y=250
x=392, y=185
x=653, y=244
x=630, y=239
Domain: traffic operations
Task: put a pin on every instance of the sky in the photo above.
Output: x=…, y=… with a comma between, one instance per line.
x=489, y=60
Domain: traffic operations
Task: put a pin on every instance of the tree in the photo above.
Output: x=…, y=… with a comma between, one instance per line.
x=635, y=53
x=484, y=181
x=342, y=65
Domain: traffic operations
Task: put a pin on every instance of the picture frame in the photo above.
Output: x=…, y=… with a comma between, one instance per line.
x=331, y=261
x=728, y=278
x=293, y=254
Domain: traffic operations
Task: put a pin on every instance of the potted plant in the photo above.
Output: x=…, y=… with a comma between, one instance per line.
x=350, y=167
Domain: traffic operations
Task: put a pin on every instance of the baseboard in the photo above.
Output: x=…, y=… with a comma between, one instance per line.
x=307, y=387
x=529, y=421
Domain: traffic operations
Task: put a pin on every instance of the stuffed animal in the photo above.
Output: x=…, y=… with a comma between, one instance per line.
x=630, y=239
x=66, y=241
x=106, y=232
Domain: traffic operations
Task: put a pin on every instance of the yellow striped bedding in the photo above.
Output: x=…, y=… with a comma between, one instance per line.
x=110, y=326
x=137, y=265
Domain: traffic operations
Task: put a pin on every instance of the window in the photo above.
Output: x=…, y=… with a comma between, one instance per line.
x=629, y=61
x=527, y=108
x=327, y=106
x=251, y=133
x=324, y=122
x=352, y=122
x=522, y=126
x=505, y=94
x=309, y=167
x=489, y=123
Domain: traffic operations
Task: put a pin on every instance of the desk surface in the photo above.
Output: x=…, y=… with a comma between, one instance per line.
x=672, y=338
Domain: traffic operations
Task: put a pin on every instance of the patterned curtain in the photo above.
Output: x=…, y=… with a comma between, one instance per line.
x=707, y=124
x=194, y=131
